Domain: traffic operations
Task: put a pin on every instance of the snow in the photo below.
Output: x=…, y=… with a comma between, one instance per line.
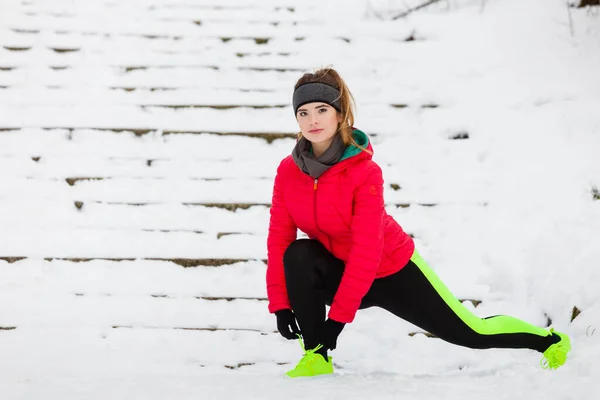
x=94, y=301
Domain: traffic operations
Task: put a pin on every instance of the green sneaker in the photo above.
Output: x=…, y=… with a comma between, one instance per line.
x=556, y=355
x=311, y=364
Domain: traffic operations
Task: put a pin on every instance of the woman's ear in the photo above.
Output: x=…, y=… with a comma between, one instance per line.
x=339, y=117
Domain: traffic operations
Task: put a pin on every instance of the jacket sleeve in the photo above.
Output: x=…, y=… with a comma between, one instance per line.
x=282, y=232
x=367, y=247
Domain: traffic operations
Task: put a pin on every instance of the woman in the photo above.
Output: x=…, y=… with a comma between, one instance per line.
x=357, y=255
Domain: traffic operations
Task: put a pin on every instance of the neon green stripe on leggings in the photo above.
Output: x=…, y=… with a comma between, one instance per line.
x=492, y=326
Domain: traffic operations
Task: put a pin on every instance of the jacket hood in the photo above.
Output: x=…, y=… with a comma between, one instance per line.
x=361, y=139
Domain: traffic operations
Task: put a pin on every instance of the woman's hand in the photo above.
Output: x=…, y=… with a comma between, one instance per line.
x=331, y=331
x=286, y=324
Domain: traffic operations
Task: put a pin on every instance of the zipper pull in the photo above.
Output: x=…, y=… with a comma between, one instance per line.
x=315, y=186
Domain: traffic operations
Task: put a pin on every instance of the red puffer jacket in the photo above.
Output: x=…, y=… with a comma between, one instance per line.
x=344, y=210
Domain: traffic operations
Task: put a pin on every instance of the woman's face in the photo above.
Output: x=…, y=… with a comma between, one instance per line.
x=318, y=121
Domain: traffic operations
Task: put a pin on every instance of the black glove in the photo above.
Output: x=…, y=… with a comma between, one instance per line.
x=286, y=324
x=331, y=331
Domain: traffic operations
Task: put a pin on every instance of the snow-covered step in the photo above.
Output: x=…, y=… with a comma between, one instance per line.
x=146, y=190
x=195, y=349
x=132, y=310
x=217, y=221
x=158, y=278
x=203, y=22
x=124, y=117
x=268, y=137
x=280, y=62
x=125, y=62
x=219, y=39
x=76, y=169
x=146, y=146
x=22, y=34
x=90, y=243
x=203, y=231
x=218, y=99
x=154, y=18
x=183, y=262
x=27, y=41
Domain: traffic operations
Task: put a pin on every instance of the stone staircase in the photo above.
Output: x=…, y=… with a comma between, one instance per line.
x=140, y=137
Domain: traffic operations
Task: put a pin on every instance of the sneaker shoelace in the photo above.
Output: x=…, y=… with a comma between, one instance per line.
x=556, y=355
x=554, y=358
x=309, y=355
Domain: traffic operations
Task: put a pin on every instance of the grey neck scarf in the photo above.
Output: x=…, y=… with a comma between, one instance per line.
x=315, y=167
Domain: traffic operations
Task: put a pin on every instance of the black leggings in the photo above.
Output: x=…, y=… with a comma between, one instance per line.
x=414, y=294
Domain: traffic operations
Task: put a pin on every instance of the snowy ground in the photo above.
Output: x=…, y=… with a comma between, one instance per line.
x=137, y=137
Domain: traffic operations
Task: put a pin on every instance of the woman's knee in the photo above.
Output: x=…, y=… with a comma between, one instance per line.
x=300, y=251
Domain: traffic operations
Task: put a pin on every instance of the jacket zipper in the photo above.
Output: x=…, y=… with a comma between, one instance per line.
x=315, y=202
x=316, y=184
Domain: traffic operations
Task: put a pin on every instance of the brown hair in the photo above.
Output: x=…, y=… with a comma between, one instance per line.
x=330, y=76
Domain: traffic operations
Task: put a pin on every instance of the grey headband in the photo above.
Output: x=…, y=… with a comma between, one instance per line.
x=316, y=92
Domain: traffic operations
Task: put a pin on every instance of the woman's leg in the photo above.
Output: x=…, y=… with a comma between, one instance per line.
x=312, y=276
x=417, y=295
